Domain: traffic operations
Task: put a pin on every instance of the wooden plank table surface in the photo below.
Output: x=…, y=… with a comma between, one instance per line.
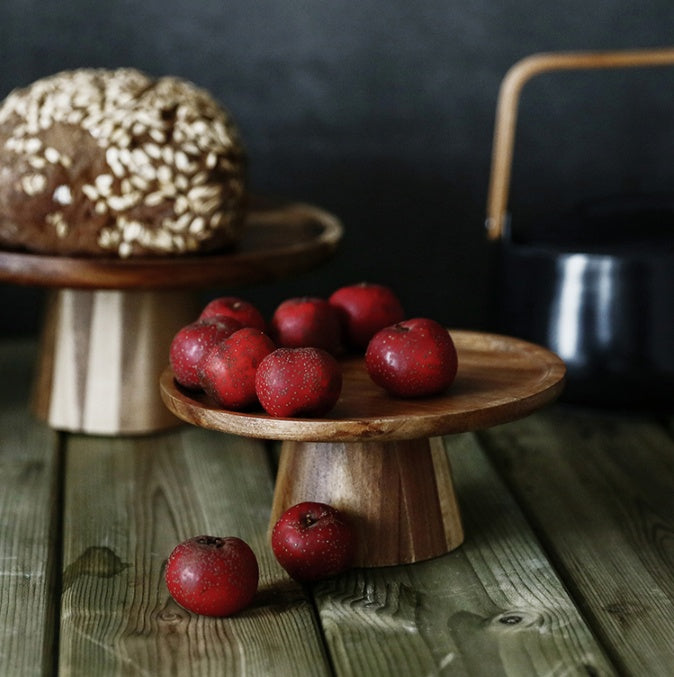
x=567, y=567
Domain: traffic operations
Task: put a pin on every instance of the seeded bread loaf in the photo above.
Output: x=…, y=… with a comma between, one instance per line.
x=111, y=162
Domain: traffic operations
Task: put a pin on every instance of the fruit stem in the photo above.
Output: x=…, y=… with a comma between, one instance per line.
x=210, y=540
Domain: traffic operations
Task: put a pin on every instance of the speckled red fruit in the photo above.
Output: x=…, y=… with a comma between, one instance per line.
x=227, y=371
x=233, y=306
x=366, y=308
x=307, y=321
x=298, y=382
x=192, y=342
x=312, y=541
x=414, y=358
x=212, y=576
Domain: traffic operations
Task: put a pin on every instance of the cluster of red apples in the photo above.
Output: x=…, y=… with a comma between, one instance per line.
x=290, y=365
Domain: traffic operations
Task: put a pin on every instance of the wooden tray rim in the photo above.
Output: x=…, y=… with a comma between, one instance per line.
x=240, y=266
x=444, y=419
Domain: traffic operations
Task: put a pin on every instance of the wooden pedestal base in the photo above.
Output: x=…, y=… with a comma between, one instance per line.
x=101, y=356
x=398, y=494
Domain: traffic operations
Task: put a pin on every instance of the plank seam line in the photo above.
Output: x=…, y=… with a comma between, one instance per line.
x=54, y=651
x=561, y=571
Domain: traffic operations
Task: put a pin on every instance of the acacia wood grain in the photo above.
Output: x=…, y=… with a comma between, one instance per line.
x=499, y=379
x=398, y=495
x=279, y=240
x=102, y=352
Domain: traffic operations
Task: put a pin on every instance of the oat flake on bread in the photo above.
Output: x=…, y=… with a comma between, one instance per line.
x=113, y=162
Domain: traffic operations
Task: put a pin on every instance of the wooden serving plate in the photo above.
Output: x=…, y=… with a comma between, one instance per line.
x=280, y=239
x=109, y=322
x=381, y=459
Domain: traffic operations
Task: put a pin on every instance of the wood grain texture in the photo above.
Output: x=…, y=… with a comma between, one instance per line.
x=601, y=491
x=492, y=607
x=499, y=379
x=280, y=240
x=102, y=352
x=128, y=503
x=29, y=523
x=399, y=495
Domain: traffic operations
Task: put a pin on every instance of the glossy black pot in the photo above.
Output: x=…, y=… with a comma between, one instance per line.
x=596, y=287
x=606, y=309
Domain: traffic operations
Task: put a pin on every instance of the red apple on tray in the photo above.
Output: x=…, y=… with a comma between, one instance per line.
x=192, y=342
x=312, y=541
x=298, y=382
x=307, y=321
x=212, y=576
x=227, y=371
x=413, y=358
x=366, y=308
x=233, y=306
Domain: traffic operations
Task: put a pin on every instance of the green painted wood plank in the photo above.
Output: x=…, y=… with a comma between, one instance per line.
x=600, y=488
x=29, y=475
x=493, y=607
x=127, y=503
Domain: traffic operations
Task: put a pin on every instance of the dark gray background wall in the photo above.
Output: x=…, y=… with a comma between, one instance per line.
x=383, y=112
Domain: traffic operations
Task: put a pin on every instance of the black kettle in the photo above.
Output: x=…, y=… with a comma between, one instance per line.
x=595, y=286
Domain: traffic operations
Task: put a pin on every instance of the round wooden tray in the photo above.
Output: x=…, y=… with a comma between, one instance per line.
x=381, y=459
x=280, y=239
x=499, y=379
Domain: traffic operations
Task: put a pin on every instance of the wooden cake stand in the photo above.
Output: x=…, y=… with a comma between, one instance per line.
x=381, y=459
x=109, y=322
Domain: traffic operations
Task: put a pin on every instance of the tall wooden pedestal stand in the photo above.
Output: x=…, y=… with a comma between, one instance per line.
x=381, y=459
x=109, y=322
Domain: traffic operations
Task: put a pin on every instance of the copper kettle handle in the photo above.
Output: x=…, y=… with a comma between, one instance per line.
x=506, y=110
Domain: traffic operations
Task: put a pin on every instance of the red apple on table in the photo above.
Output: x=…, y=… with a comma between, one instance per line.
x=413, y=358
x=238, y=308
x=298, y=382
x=212, y=576
x=192, y=342
x=312, y=541
x=227, y=371
x=366, y=308
x=307, y=321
